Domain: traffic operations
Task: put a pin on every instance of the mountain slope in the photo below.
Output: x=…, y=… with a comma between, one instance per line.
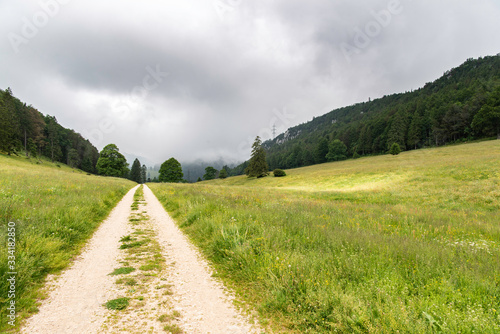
x=462, y=105
x=24, y=128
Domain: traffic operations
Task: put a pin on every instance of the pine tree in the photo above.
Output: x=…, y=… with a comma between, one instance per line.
x=9, y=125
x=32, y=148
x=135, y=171
x=415, y=130
x=144, y=171
x=222, y=174
x=365, y=140
x=337, y=151
x=321, y=151
x=73, y=158
x=257, y=166
x=87, y=165
x=398, y=130
x=395, y=149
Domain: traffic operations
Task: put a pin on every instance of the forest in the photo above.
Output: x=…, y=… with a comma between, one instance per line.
x=462, y=105
x=24, y=128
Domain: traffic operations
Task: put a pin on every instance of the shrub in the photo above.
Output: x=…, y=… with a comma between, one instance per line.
x=279, y=173
x=395, y=149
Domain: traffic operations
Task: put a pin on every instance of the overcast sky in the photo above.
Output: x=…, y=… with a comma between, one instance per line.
x=201, y=78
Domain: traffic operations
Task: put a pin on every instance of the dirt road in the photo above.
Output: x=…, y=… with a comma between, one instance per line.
x=178, y=295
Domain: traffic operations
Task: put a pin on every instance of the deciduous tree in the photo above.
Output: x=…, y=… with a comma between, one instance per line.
x=171, y=171
x=111, y=162
x=487, y=121
x=337, y=151
x=210, y=173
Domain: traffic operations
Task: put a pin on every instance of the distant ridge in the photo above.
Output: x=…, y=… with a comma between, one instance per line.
x=462, y=105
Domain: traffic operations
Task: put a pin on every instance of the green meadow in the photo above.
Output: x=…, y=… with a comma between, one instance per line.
x=386, y=244
x=54, y=209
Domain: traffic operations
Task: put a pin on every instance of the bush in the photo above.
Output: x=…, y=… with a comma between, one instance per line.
x=279, y=173
x=395, y=149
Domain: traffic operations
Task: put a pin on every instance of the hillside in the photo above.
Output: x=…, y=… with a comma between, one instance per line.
x=24, y=128
x=407, y=243
x=462, y=105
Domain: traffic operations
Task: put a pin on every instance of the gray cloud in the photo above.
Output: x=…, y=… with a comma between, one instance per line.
x=231, y=64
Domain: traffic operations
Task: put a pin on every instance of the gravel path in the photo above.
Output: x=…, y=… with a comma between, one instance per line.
x=202, y=302
x=76, y=298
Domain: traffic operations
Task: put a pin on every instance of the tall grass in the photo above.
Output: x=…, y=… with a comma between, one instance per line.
x=55, y=210
x=377, y=245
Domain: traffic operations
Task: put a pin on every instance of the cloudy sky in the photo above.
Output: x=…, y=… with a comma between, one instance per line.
x=201, y=78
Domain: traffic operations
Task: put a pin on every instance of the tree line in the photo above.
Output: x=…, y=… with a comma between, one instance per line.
x=24, y=129
x=462, y=105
